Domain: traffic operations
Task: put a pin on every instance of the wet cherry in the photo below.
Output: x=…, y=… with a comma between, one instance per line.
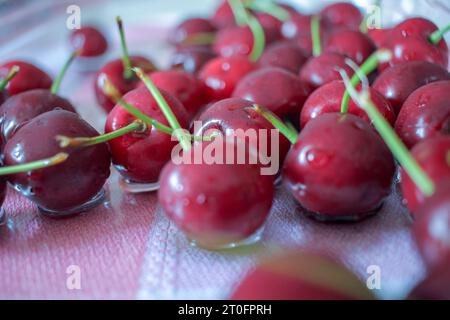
x=425, y=113
x=191, y=59
x=328, y=98
x=89, y=40
x=398, y=82
x=216, y=205
x=342, y=15
x=286, y=55
x=353, y=44
x=29, y=77
x=276, y=89
x=69, y=187
x=339, y=169
x=186, y=32
x=432, y=156
x=222, y=74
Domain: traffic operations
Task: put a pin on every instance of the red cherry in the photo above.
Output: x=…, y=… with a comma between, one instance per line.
x=398, y=82
x=339, y=169
x=90, y=40
x=410, y=41
x=432, y=156
x=323, y=69
x=328, y=98
x=216, y=204
x=271, y=25
x=25, y=106
x=432, y=228
x=191, y=59
x=222, y=74
x=276, y=89
x=29, y=77
x=185, y=87
x=300, y=276
x=114, y=71
x=223, y=16
x=353, y=44
x=140, y=157
x=67, y=187
x=425, y=113
x=342, y=15
x=378, y=36
x=233, y=114
x=286, y=55
x=189, y=28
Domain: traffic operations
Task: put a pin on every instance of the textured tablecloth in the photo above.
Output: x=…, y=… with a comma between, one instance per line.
x=127, y=248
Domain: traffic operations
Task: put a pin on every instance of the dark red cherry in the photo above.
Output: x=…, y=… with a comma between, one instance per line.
x=425, y=113
x=300, y=276
x=432, y=228
x=285, y=55
x=3, y=96
x=323, y=69
x=140, y=157
x=398, y=82
x=190, y=91
x=271, y=25
x=342, y=15
x=114, y=71
x=215, y=205
x=353, y=44
x=378, y=36
x=339, y=169
x=27, y=105
x=222, y=74
x=328, y=98
x=191, y=59
x=410, y=41
x=65, y=188
x=276, y=89
x=223, y=16
x=433, y=157
x=29, y=77
x=234, y=114
x=189, y=28
x=90, y=40
x=436, y=285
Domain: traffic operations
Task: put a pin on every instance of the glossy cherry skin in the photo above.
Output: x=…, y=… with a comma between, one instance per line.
x=191, y=59
x=234, y=114
x=223, y=17
x=328, y=98
x=222, y=74
x=90, y=40
x=190, y=91
x=140, y=157
x=342, y=15
x=436, y=285
x=300, y=276
x=379, y=36
x=189, y=28
x=25, y=106
x=276, y=89
x=398, y=82
x=425, y=113
x=215, y=204
x=432, y=228
x=353, y=44
x=29, y=77
x=68, y=185
x=114, y=72
x=409, y=41
x=432, y=156
x=285, y=55
x=339, y=169
x=323, y=69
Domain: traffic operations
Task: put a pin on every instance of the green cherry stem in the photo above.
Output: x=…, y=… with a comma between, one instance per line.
x=270, y=7
x=292, y=128
x=398, y=149
x=239, y=12
x=57, y=83
x=315, y=34
x=277, y=123
x=439, y=34
x=11, y=74
x=202, y=38
x=65, y=142
x=35, y=165
x=127, y=72
x=184, y=139
x=370, y=65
